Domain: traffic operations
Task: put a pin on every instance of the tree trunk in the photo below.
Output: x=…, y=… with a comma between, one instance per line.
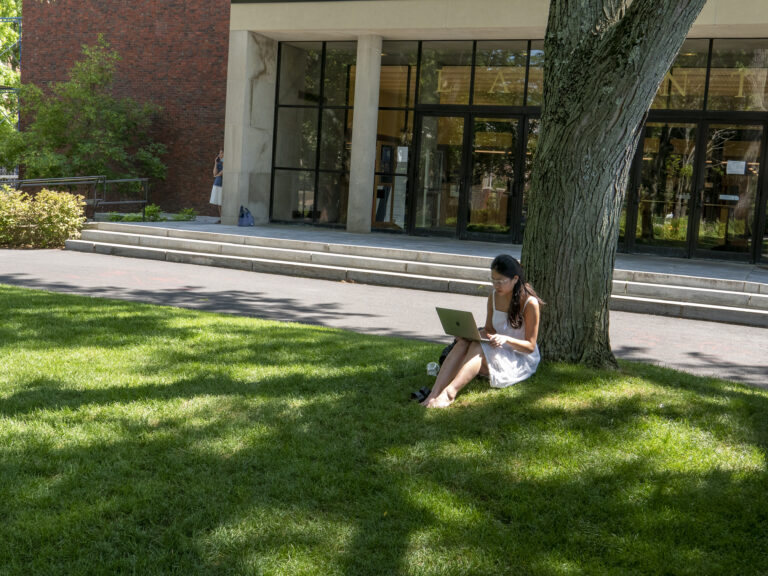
x=604, y=61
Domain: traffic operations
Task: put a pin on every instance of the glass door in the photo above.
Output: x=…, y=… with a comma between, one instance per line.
x=440, y=169
x=728, y=198
x=665, y=186
x=492, y=183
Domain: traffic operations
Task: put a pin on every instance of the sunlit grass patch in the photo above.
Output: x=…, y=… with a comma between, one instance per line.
x=155, y=440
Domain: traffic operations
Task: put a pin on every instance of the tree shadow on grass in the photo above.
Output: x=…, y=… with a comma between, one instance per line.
x=238, y=302
x=316, y=463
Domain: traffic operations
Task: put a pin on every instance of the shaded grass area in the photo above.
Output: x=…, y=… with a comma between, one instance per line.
x=153, y=440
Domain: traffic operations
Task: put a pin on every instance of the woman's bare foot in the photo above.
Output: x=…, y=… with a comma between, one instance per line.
x=441, y=401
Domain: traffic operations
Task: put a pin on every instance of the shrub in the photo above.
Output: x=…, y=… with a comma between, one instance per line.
x=115, y=217
x=44, y=220
x=133, y=218
x=185, y=214
x=152, y=213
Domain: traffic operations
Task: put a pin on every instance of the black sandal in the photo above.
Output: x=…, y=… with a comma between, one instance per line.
x=421, y=394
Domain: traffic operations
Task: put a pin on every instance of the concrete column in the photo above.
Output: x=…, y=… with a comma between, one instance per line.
x=248, y=128
x=364, y=124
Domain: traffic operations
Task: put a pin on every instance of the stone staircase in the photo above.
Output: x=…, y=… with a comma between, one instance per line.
x=693, y=297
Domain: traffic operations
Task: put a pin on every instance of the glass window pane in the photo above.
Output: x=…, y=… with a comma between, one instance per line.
x=293, y=196
x=398, y=74
x=683, y=86
x=739, y=74
x=389, y=202
x=729, y=196
x=340, y=73
x=300, y=73
x=531, y=147
x=332, y=196
x=666, y=184
x=296, y=137
x=336, y=140
x=500, y=72
x=536, y=74
x=445, y=72
x=393, y=140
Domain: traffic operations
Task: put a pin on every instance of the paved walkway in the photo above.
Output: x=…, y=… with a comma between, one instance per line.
x=733, y=352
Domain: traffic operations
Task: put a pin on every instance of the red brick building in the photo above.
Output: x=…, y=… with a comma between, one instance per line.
x=173, y=52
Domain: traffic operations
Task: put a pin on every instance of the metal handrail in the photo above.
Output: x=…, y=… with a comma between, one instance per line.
x=95, y=182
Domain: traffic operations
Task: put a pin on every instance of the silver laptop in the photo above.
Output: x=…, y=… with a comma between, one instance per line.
x=460, y=323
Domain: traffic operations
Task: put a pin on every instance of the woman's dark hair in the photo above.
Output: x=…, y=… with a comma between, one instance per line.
x=508, y=266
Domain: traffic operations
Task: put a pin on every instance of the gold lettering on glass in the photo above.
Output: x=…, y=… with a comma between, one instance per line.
x=499, y=81
x=442, y=85
x=682, y=90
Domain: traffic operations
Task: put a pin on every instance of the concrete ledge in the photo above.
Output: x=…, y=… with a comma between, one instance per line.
x=300, y=269
x=129, y=228
x=207, y=236
x=209, y=260
x=361, y=262
x=129, y=251
x=398, y=280
x=689, y=281
x=691, y=311
x=448, y=271
x=728, y=298
x=181, y=245
x=267, y=253
x=79, y=245
x=111, y=237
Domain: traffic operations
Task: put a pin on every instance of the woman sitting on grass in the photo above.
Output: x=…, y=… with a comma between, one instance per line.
x=512, y=326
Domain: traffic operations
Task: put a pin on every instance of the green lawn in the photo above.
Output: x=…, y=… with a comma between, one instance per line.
x=139, y=439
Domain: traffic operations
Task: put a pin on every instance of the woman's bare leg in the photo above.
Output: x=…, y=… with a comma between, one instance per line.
x=449, y=369
x=472, y=364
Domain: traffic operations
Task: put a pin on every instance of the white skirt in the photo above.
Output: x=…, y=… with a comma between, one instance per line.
x=216, y=195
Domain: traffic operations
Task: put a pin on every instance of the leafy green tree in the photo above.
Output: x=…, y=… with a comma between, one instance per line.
x=9, y=64
x=79, y=127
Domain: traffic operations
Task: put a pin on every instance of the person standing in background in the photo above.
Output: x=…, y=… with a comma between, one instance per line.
x=218, y=170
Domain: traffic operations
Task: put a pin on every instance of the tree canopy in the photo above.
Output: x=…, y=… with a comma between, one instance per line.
x=79, y=127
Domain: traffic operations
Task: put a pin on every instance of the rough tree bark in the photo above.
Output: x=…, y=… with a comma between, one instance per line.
x=604, y=62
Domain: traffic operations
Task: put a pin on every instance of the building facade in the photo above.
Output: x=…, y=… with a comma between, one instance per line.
x=172, y=52
x=421, y=117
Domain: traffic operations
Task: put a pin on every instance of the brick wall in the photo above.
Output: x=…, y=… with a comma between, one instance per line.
x=174, y=52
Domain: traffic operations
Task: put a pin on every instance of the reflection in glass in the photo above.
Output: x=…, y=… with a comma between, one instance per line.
x=531, y=146
x=388, y=211
x=336, y=139
x=296, y=137
x=339, y=82
x=729, y=196
x=500, y=72
x=394, y=130
x=493, y=174
x=300, y=73
x=683, y=86
x=666, y=184
x=739, y=75
x=439, y=173
x=445, y=72
x=536, y=74
x=332, y=196
x=293, y=196
x=397, y=84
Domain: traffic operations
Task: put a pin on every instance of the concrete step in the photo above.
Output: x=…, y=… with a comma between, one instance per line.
x=635, y=291
x=378, y=260
x=301, y=245
x=288, y=268
x=692, y=311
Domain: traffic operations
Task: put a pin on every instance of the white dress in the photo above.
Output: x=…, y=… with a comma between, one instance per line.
x=508, y=366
